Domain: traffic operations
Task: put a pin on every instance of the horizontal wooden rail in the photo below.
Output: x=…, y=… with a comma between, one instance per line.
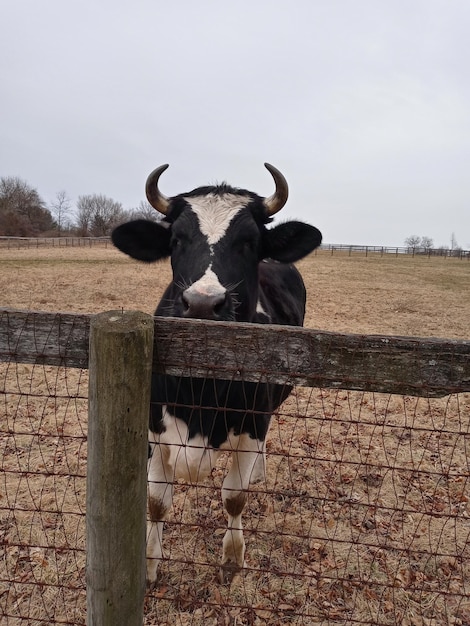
x=47, y=338
x=287, y=355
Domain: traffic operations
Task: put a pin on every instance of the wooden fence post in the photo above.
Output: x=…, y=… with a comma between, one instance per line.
x=120, y=366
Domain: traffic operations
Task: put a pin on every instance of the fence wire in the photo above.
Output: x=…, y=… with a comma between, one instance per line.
x=42, y=494
x=363, y=519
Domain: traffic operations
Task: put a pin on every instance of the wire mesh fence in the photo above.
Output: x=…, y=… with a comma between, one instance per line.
x=363, y=518
x=42, y=506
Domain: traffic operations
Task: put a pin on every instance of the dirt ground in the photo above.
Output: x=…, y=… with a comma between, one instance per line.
x=364, y=518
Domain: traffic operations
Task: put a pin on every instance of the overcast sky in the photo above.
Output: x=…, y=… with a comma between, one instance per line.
x=363, y=104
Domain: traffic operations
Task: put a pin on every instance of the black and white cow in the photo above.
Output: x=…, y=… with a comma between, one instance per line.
x=227, y=265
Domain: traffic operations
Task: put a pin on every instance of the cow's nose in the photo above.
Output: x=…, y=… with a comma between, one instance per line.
x=203, y=306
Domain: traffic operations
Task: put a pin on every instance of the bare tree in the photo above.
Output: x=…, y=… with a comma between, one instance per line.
x=427, y=243
x=98, y=215
x=84, y=216
x=145, y=211
x=22, y=210
x=413, y=242
x=60, y=208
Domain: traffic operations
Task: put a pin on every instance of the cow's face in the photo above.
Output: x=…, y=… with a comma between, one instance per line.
x=216, y=237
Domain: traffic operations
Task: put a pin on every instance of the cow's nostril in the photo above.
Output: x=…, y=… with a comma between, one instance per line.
x=219, y=302
x=185, y=302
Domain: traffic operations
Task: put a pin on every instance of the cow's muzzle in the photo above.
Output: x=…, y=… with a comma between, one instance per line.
x=204, y=306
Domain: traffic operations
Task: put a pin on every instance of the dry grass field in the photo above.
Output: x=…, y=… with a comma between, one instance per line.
x=364, y=518
x=392, y=295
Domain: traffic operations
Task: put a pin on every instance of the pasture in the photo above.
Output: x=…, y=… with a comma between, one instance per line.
x=364, y=516
x=404, y=295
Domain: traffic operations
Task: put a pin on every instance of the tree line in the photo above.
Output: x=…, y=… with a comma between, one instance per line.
x=23, y=213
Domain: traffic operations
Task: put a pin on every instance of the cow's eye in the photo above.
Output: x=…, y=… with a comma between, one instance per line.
x=175, y=243
x=247, y=246
x=244, y=246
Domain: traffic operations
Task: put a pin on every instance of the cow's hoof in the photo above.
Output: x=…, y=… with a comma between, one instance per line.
x=257, y=478
x=158, y=582
x=228, y=571
x=154, y=579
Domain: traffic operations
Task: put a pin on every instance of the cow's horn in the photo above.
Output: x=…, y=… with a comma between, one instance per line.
x=275, y=202
x=154, y=195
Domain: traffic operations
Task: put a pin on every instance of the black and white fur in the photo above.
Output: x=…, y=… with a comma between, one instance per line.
x=227, y=265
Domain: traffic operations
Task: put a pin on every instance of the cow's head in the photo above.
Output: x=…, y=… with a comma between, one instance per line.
x=216, y=236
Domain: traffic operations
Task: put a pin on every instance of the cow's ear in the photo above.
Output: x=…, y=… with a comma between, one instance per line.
x=143, y=240
x=290, y=241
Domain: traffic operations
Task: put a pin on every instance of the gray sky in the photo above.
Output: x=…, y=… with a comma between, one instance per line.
x=363, y=104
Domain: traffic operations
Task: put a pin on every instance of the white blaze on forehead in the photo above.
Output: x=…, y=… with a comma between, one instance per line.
x=207, y=285
x=215, y=213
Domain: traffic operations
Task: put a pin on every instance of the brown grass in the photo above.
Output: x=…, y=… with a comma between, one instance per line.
x=387, y=295
x=364, y=517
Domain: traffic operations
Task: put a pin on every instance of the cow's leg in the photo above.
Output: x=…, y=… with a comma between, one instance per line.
x=259, y=470
x=160, y=494
x=234, y=488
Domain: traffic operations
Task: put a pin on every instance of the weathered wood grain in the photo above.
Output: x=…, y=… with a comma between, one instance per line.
x=305, y=357
x=119, y=398
x=44, y=338
x=286, y=355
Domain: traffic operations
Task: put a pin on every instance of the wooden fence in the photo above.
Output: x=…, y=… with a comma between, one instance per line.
x=16, y=243
x=457, y=253
x=11, y=243
x=120, y=360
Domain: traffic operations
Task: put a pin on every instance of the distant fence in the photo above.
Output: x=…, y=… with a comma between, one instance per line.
x=12, y=243
x=65, y=242
x=457, y=253
x=365, y=516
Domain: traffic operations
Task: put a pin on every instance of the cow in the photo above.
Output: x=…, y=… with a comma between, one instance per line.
x=228, y=265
